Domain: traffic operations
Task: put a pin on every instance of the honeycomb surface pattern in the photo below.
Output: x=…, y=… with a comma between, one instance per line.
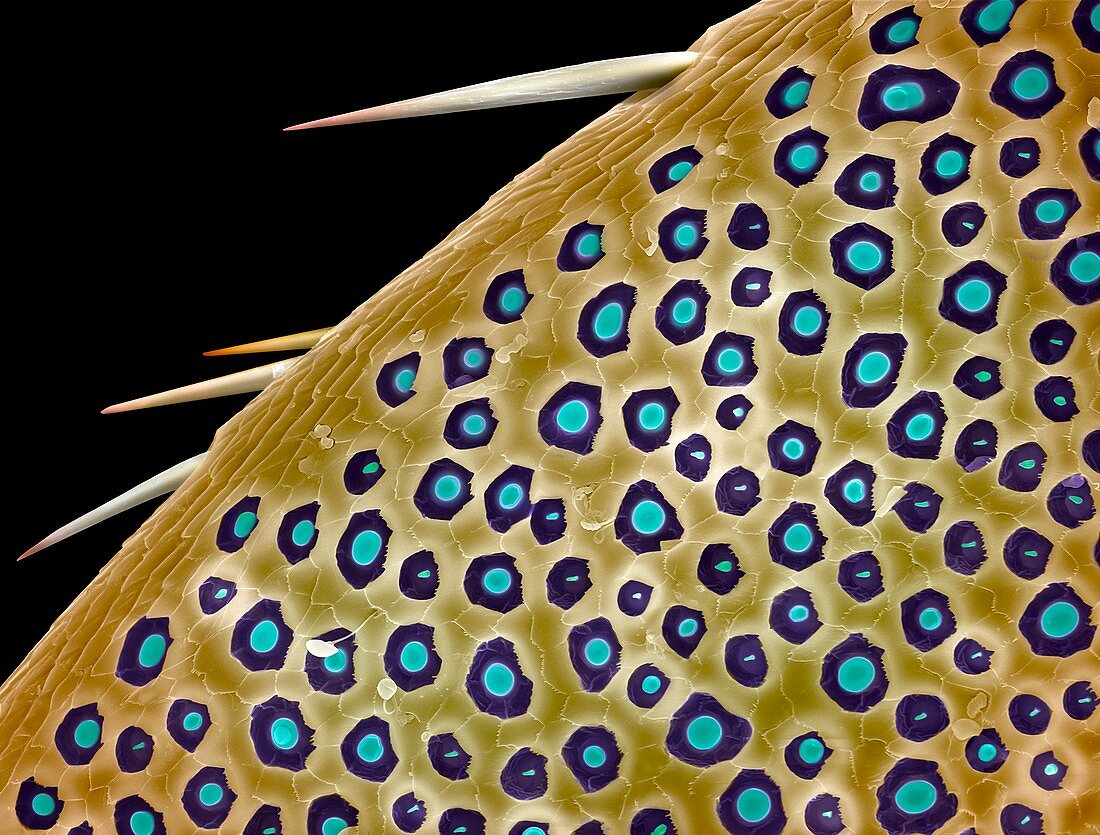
x=732, y=470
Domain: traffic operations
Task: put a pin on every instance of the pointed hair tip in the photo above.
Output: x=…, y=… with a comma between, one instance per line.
x=291, y=342
x=594, y=78
x=240, y=382
x=116, y=408
x=158, y=485
x=42, y=545
x=316, y=123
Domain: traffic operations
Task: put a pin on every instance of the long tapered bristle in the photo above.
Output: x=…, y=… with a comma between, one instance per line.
x=291, y=342
x=252, y=379
x=596, y=78
x=158, y=485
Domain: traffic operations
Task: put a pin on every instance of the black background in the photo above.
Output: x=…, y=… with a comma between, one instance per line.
x=161, y=212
